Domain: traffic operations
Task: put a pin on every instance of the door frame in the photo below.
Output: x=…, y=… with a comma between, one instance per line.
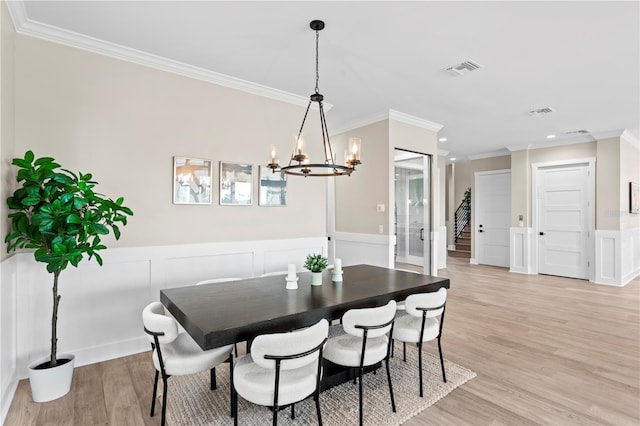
x=590, y=163
x=476, y=257
x=429, y=238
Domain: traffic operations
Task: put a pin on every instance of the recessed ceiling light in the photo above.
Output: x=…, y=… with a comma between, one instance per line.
x=442, y=140
x=551, y=136
x=452, y=158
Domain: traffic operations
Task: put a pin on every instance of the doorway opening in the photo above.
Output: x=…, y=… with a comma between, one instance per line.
x=412, y=211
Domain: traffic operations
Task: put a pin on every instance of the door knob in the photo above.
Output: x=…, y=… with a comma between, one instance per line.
x=421, y=234
x=480, y=230
x=541, y=233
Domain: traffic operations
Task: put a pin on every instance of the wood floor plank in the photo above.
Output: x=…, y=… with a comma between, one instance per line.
x=546, y=350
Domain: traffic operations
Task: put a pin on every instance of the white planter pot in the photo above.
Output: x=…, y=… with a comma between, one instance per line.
x=51, y=383
x=316, y=278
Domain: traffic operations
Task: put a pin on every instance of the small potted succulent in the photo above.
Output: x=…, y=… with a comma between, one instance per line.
x=316, y=263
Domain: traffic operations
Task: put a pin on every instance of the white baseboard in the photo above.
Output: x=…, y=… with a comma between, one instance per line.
x=7, y=397
x=473, y=261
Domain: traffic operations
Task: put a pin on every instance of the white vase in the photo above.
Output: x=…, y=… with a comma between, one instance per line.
x=316, y=278
x=48, y=384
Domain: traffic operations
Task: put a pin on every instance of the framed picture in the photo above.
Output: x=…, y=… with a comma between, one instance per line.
x=634, y=197
x=192, y=178
x=273, y=188
x=236, y=184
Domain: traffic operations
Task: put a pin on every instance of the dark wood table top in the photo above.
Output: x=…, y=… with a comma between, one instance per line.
x=224, y=313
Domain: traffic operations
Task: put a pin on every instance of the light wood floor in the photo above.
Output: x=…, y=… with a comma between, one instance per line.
x=547, y=350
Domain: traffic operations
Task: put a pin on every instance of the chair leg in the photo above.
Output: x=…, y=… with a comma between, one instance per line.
x=231, y=388
x=164, y=401
x=444, y=375
x=155, y=394
x=234, y=406
x=293, y=411
x=404, y=351
x=235, y=350
x=393, y=401
x=420, y=366
x=360, y=396
x=317, y=398
x=275, y=416
x=214, y=384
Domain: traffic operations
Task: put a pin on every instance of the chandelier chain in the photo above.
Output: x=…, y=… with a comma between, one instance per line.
x=317, y=62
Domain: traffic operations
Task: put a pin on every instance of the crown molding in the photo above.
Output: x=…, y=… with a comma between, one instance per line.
x=497, y=153
x=630, y=137
x=390, y=115
x=572, y=140
x=28, y=27
x=361, y=123
x=414, y=121
x=17, y=12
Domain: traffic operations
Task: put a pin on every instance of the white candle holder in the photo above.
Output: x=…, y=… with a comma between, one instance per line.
x=336, y=276
x=292, y=283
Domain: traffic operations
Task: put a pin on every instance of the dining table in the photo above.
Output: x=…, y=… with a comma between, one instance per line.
x=235, y=311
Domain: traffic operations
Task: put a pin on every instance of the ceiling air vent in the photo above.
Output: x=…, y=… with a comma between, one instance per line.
x=463, y=67
x=541, y=111
x=578, y=132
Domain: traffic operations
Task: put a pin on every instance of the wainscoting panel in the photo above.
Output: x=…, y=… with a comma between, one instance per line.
x=8, y=334
x=100, y=309
x=630, y=246
x=520, y=260
x=373, y=249
x=617, y=256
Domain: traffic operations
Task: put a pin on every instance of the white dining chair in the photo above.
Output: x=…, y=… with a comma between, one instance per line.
x=361, y=340
x=177, y=354
x=420, y=324
x=282, y=369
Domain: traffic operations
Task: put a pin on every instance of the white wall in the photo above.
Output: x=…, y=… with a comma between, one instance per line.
x=100, y=307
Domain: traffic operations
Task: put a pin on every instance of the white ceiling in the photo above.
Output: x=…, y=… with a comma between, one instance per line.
x=580, y=58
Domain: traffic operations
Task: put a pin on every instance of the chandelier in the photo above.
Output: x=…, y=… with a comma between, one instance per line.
x=299, y=163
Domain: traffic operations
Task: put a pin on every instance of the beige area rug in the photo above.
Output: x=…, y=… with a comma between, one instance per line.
x=192, y=403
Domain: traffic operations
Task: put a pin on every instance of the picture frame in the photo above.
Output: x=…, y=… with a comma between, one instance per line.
x=192, y=180
x=634, y=198
x=272, y=188
x=236, y=184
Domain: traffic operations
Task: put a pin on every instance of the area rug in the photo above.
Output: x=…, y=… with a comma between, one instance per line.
x=190, y=402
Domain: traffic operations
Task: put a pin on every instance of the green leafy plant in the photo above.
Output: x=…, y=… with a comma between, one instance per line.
x=316, y=262
x=57, y=213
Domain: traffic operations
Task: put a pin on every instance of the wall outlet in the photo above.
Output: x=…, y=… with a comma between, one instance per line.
x=380, y=208
x=380, y=229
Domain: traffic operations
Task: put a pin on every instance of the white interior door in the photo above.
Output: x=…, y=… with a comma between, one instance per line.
x=492, y=200
x=563, y=226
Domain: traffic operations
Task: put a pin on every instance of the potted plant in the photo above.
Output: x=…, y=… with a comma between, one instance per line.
x=57, y=213
x=316, y=263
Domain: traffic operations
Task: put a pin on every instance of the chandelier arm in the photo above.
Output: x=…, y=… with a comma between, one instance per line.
x=328, y=152
x=295, y=143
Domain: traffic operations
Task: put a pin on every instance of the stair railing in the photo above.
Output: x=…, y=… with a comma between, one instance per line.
x=462, y=216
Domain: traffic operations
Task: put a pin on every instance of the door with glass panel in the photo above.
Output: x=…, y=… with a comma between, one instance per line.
x=412, y=209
